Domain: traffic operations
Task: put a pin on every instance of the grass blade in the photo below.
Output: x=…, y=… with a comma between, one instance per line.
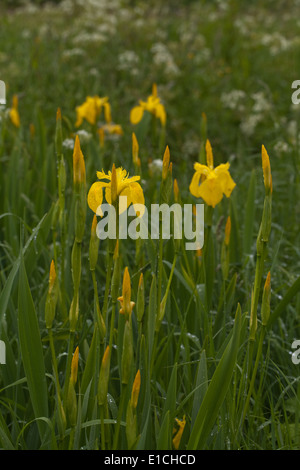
x=32, y=351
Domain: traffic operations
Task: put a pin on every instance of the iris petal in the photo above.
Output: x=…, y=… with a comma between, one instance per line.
x=95, y=197
x=136, y=114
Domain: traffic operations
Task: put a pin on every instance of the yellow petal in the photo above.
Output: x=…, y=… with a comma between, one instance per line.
x=225, y=181
x=161, y=114
x=135, y=149
x=107, y=112
x=210, y=191
x=266, y=169
x=102, y=175
x=135, y=195
x=14, y=117
x=209, y=155
x=95, y=196
x=136, y=114
x=194, y=186
x=227, y=230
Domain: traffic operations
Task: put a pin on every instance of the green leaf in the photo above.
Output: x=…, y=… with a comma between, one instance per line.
x=152, y=309
x=292, y=291
x=7, y=289
x=32, y=351
x=216, y=391
x=89, y=370
x=170, y=403
x=164, y=436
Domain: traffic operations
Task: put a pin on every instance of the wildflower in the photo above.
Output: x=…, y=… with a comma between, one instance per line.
x=91, y=109
x=14, y=113
x=211, y=183
x=227, y=230
x=166, y=163
x=153, y=105
x=178, y=435
x=125, y=186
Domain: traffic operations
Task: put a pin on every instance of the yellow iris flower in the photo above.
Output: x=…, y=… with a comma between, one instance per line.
x=153, y=105
x=14, y=113
x=91, y=109
x=211, y=183
x=120, y=184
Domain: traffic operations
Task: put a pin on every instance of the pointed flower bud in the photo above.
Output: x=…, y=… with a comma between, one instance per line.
x=209, y=155
x=265, y=307
x=125, y=299
x=135, y=151
x=166, y=162
x=52, y=276
x=74, y=366
x=227, y=231
x=135, y=390
x=266, y=170
x=114, y=185
x=78, y=164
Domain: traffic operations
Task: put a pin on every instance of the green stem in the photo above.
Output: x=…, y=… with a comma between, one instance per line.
x=107, y=285
x=258, y=356
x=71, y=442
x=119, y=417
